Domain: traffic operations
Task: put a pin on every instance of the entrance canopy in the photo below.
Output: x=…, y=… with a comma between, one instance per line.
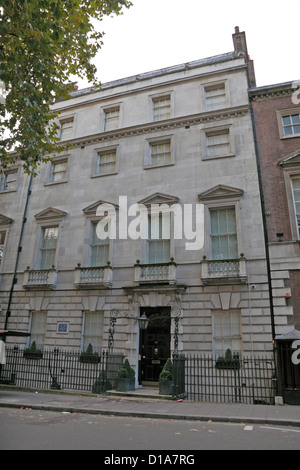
x=290, y=336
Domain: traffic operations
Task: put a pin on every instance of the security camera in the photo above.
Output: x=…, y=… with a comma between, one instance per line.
x=253, y=286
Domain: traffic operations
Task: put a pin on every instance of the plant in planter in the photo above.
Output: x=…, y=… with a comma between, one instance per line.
x=89, y=356
x=166, y=378
x=229, y=361
x=33, y=352
x=126, y=378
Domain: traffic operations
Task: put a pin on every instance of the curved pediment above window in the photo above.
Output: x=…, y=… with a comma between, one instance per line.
x=293, y=159
x=5, y=220
x=220, y=192
x=50, y=214
x=159, y=198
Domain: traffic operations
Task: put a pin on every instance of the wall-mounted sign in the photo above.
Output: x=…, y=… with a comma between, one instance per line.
x=62, y=327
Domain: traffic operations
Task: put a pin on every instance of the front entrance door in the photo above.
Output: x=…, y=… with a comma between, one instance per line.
x=154, y=343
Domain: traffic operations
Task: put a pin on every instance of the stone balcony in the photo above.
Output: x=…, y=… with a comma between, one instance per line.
x=220, y=271
x=163, y=273
x=40, y=278
x=93, y=277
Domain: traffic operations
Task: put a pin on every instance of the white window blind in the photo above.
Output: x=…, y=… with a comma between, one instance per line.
x=106, y=162
x=215, y=97
x=161, y=108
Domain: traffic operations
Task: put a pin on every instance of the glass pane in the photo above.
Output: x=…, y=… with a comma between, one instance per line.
x=215, y=248
x=232, y=242
x=231, y=220
x=286, y=120
x=214, y=222
x=288, y=130
x=296, y=119
x=296, y=129
x=50, y=237
x=222, y=221
x=99, y=255
x=296, y=183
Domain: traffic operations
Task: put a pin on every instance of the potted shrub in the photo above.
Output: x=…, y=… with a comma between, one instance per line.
x=33, y=352
x=166, y=379
x=89, y=356
x=229, y=361
x=126, y=378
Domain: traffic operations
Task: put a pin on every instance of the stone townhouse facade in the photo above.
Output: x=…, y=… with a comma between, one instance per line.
x=276, y=113
x=182, y=137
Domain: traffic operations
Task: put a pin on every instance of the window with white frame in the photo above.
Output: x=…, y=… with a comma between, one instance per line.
x=158, y=239
x=291, y=124
x=8, y=180
x=296, y=198
x=106, y=162
x=160, y=153
x=48, y=247
x=38, y=326
x=111, y=119
x=58, y=171
x=66, y=128
x=223, y=234
x=215, y=97
x=217, y=143
x=2, y=243
x=99, y=249
x=93, y=331
x=161, y=108
x=227, y=332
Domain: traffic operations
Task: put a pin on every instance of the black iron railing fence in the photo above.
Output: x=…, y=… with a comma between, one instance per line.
x=197, y=378
x=247, y=380
x=58, y=369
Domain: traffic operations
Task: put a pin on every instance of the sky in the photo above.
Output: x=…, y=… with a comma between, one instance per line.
x=155, y=34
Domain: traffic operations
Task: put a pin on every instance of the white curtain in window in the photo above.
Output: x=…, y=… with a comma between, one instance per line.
x=223, y=234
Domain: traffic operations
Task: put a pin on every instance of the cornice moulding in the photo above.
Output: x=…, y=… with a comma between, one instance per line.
x=166, y=125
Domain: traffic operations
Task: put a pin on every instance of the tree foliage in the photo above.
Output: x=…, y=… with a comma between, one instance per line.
x=43, y=44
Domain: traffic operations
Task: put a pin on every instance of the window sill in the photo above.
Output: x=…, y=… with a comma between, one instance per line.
x=4, y=191
x=227, y=155
x=51, y=183
x=103, y=174
x=287, y=137
x=150, y=167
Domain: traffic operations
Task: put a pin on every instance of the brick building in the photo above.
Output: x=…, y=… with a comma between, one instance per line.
x=276, y=112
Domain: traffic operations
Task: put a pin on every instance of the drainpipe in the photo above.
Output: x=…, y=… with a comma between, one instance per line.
x=14, y=280
x=266, y=239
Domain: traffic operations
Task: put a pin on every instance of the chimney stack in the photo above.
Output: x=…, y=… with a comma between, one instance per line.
x=240, y=48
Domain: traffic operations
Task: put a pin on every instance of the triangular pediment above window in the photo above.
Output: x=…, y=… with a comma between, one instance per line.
x=291, y=159
x=92, y=209
x=220, y=192
x=49, y=214
x=5, y=220
x=159, y=198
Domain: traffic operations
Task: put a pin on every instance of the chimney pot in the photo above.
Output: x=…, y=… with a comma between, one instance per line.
x=237, y=29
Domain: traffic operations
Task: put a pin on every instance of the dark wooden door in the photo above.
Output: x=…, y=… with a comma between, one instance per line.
x=154, y=344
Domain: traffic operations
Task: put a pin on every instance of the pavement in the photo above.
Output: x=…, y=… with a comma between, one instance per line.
x=146, y=404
